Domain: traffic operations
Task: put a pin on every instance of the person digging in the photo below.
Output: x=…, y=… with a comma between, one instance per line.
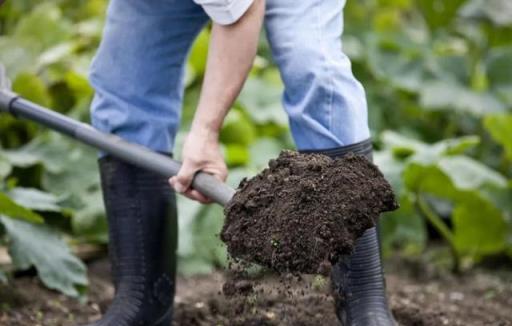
x=138, y=76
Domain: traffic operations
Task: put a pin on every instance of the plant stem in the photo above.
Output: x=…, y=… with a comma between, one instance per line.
x=441, y=227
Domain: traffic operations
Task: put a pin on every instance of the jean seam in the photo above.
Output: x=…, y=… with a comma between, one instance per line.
x=330, y=79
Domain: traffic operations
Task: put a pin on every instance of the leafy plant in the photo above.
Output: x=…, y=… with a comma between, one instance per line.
x=451, y=191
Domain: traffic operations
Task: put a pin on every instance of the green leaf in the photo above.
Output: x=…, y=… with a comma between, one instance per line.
x=55, y=54
x=5, y=167
x=200, y=248
x=199, y=51
x=471, y=187
x=262, y=151
x=439, y=14
x=79, y=174
x=236, y=155
x=469, y=174
x=500, y=127
x=237, y=129
x=499, y=65
x=391, y=61
x=54, y=151
x=41, y=247
x=89, y=219
x=79, y=85
x=391, y=167
x=5, y=82
x=450, y=61
x=237, y=174
x=455, y=146
x=262, y=101
x=90, y=28
x=32, y=88
x=206, y=228
x=21, y=158
x=403, y=146
x=188, y=209
x=43, y=27
x=499, y=12
x=403, y=229
x=442, y=95
x=451, y=175
x=430, y=179
x=479, y=227
x=70, y=168
x=35, y=199
x=15, y=57
x=500, y=197
x=9, y=208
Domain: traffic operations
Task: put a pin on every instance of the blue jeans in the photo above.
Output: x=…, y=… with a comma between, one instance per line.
x=139, y=68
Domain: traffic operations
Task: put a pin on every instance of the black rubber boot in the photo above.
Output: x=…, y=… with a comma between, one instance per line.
x=141, y=210
x=358, y=280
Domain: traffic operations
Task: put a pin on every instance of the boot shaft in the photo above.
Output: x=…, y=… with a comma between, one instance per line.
x=142, y=219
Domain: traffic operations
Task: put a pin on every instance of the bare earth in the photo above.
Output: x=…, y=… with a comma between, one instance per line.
x=418, y=297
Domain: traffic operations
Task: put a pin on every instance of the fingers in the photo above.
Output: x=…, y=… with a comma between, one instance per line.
x=206, y=160
x=221, y=174
x=183, y=181
x=196, y=195
x=190, y=192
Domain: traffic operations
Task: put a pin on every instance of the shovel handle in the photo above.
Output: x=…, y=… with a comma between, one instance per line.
x=135, y=154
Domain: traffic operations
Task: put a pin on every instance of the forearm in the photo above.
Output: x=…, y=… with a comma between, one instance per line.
x=230, y=57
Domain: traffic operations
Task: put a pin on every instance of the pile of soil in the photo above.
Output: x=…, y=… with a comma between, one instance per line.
x=304, y=211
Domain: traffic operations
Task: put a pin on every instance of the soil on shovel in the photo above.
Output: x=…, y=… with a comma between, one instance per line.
x=304, y=211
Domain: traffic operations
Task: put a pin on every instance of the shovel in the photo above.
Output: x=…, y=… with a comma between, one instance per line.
x=135, y=154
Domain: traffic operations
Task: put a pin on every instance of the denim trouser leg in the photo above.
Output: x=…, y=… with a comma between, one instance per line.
x=138, y=70
x=326, y=105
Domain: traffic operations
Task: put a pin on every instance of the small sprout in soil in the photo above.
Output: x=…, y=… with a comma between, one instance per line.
x=490, y=294
x=319, y=283
x=71, y=317
x=252, y=299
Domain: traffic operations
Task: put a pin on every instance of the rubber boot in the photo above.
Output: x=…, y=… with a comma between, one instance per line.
x=141, y=210
x=358, y=280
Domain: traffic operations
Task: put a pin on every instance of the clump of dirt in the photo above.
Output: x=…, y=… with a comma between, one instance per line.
x=305, y=210
x=236, y=287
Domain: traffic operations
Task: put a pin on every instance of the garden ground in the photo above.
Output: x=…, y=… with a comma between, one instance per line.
x=419, y=295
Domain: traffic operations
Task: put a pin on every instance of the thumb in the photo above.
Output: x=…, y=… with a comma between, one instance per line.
x=183, y=179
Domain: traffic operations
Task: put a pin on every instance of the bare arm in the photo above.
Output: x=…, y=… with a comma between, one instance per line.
x=232, y=52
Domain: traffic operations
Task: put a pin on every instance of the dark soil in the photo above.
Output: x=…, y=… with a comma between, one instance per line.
x=419, y=296
x=237, y=287
x=304, y=210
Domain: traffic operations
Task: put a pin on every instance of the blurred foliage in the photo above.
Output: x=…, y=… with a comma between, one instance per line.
x=438, y=76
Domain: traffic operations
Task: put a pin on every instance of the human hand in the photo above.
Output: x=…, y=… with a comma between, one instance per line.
x=201, y=152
